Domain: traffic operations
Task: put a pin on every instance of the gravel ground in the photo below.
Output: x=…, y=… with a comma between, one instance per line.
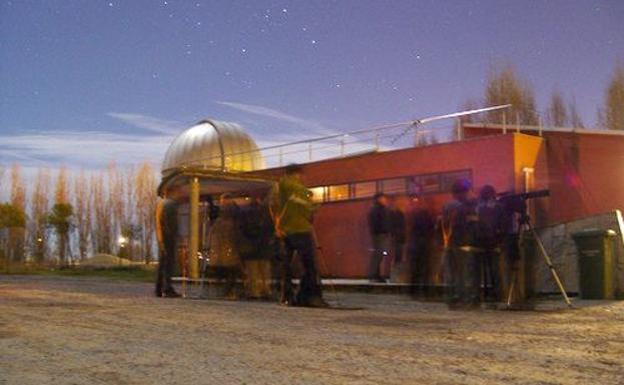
x=96, y=331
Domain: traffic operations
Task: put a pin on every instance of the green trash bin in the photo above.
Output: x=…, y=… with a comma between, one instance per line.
x=596, y=263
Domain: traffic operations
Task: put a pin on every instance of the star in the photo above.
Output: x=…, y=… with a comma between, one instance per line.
x=284, y=10
x=244, y=50
x=313, y=42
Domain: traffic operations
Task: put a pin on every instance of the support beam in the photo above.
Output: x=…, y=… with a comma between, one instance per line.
x=193, y=265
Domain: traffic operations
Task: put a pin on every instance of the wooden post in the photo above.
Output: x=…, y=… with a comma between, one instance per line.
x=193, y=266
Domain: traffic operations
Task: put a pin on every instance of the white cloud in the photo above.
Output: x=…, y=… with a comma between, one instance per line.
x=149, y=123
x=278, y=115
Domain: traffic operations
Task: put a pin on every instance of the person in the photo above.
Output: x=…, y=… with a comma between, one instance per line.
x=397, y=230
x=421, y=227
x=224, y=252
x=257, y=247
x=167, y=236
x=459, y=223
x=490, y=236
x=515, y=219
x=292, y=211
x=379, y=225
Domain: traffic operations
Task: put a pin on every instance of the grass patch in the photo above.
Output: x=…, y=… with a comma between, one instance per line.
x=118, y=273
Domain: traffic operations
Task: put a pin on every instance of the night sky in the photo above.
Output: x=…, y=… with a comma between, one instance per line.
x=87, y=82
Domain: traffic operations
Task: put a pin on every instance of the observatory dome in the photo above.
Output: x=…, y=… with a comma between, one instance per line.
x=213, y=145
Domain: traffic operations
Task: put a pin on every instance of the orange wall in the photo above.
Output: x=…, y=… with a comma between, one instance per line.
x=342, y=227
x=585, y=172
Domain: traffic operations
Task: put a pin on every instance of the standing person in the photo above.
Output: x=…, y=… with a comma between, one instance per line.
x=167, y=235
x=490, y=237
x=398, y=231
x=224, y=245
x=421, y=228
x=379, y=224
x=292, y=209
x=257, y=247
x=459, y=224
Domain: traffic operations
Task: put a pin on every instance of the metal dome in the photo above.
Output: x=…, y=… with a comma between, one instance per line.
x=213, y=145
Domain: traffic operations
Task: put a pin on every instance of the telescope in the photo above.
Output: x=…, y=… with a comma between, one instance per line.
x=526, y=195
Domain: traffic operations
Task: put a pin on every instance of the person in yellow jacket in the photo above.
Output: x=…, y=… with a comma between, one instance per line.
x=292, y=210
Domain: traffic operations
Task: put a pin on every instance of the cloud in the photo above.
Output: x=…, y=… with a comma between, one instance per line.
x=81, y=149
x=149, y=123
x=278, y=115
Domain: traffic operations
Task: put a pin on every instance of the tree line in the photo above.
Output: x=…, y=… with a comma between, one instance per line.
x=505, y=86
x=78, y=214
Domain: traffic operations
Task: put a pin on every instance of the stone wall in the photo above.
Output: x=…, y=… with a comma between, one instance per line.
x=559, y=244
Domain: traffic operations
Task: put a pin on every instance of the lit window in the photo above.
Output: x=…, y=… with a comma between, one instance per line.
x=364, y=189
x=339, y=192
x=318, y=194
x=394, y=186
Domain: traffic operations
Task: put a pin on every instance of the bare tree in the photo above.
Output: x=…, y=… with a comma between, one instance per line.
x=61, y=193
x=17, y=235
x=101, y=208
x=575, y=118
x=556, y=114
x=39, y=207
x=117, y=204
x=82, y=213
x=505, y=87
x=146, y=201
x=2, y=171
x=612, y=116
x=61, y=214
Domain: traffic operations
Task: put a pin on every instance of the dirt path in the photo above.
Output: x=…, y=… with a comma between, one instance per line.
x=94, y=331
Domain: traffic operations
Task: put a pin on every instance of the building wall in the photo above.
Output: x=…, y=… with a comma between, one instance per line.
x=342, y=228
x=585, y=171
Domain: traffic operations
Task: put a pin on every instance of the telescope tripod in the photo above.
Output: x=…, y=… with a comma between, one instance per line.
x=527, y=226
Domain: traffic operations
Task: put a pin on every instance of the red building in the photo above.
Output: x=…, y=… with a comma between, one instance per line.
x=584, y=170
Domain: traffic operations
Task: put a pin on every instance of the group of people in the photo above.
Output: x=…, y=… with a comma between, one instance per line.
x=475, y=233
x=396, y=231
x=245, y=240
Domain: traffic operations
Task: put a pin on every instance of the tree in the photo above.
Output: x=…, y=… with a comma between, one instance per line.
x=505, y=87
x=82, y=213
x=612, y=116
x=11, y=218
x=146, y=201
x=556, y=114
x=60, y=216
x=17, y=234
x=39, y=203
x=575, y=118
x=101, y=208
x=117, y=203
x=60, y=220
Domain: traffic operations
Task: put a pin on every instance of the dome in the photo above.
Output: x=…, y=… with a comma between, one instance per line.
x=213, y=145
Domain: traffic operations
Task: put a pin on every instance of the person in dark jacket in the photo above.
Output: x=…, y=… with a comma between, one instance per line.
x=490, y=237
x=421, y=226
x=459, y=224
x=379, y=224
x=257, y=247
x=398, y=231
x=167, y=235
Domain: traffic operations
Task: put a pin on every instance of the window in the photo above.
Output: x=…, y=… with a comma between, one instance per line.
x=318, y=194
x=447, y=179
x=430, y=183
x=394, y=186
x=338, y=192
x=364, y=189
